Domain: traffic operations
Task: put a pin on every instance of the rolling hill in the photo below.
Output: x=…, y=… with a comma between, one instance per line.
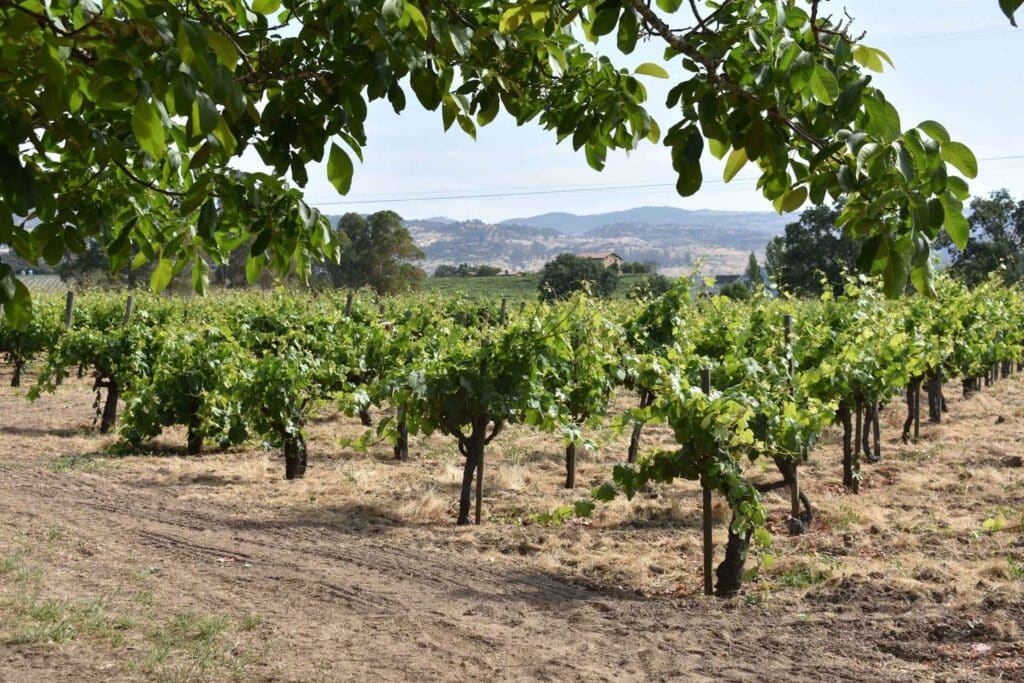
x=673, y=238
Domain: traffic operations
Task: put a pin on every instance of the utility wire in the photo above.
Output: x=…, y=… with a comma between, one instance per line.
x=496, y=194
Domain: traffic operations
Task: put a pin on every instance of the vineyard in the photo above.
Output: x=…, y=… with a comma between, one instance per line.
x=514, y=288
x=675, y=446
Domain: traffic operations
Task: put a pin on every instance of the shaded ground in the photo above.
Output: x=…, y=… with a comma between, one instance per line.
x=178, y=568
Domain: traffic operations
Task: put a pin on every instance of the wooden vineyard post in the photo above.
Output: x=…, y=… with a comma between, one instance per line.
x=480, y=457
x=857, y=442
x=348, y=305
x=794, y=490
x=479, y=486
x=382, y=308
x=705, y=380
x=128, y=306
x=504, y=311
x=522, y=306
x=917, y=411
x=69, y=310
x=877, y=432
x=402, y=438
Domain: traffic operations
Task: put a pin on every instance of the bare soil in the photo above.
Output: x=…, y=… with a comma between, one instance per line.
x=169, y=567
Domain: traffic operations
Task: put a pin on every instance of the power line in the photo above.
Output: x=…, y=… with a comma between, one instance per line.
x=500, y=194
x=525, y=193
x=929, y=38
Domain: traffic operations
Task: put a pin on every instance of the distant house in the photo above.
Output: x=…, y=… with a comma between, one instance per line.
x=609, y=259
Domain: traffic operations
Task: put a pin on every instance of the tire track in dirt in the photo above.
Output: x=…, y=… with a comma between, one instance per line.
x=362, y=606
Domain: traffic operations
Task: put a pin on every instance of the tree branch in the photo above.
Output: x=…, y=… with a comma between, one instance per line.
x=681, y=45
x=140, y=181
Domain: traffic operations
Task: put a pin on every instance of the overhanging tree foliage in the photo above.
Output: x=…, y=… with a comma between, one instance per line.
x=120, y=120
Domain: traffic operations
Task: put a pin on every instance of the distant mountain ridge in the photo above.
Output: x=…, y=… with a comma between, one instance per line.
x=676, y=239
x=573, y=224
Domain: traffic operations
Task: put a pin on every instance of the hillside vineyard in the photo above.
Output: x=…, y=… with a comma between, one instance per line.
x=738, y=384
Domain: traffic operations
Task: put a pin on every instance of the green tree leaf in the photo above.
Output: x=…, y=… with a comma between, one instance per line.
x=18, y=306
x=339, y=169
x=961, y=157
x=935, y=130
x=1009, y=7
x=823, y=85
x=265, y=6
x=736, y=161
x=649, y=69
x=794, y=199
x=955, y=223
x=415, y=16
x=161, y=275
x=149, y=130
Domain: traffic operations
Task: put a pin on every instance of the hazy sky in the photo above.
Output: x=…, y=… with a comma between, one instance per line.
x=957, y=61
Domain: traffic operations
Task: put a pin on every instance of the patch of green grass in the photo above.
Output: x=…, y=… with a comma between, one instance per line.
x=917, y=456
x=48, y=621
x=142, y=574
x=842, y=518
x=54, y=533
x=69, y=463
x=250, y=622
x=1016, y=568
x=191, y=647
x=10, y=563
x=27, y=572
x=800, y=576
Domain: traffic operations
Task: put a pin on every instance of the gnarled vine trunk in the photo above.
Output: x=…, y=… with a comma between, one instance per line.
x=364, y=417
x=109, y=416
x=472, y=448
x=195, y=434
x=913, y=406
x=646, y=399
x=800, y=521
x=729, y=574
x=936, y=400
x=16, y=376
x=851, y=466
x=294, y=455
x=402, y=440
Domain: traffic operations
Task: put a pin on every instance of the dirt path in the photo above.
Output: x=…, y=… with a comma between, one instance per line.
x=342, y=606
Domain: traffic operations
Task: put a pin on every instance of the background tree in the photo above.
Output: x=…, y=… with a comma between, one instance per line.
x=637, y=267
x=753, y=271
x=737, y=291
x=997, y=240
x=378, y=254
x=650, y=287
x=466, y=270
x=569, y=273
x=811, y=249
